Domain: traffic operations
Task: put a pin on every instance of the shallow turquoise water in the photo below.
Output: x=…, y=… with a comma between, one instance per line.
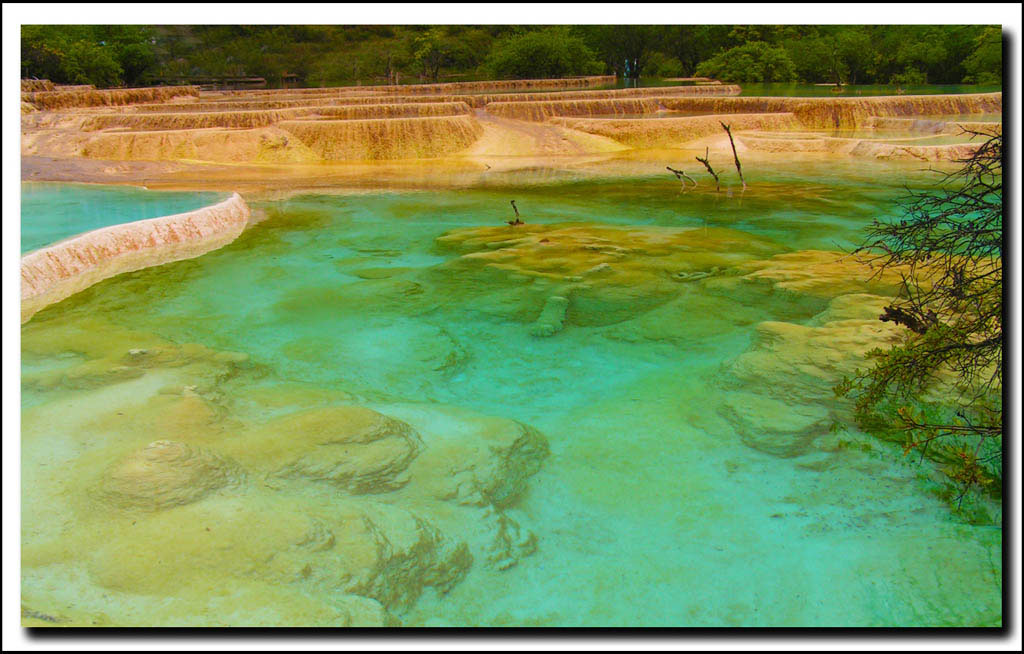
x=651, y=510
x=52, y=212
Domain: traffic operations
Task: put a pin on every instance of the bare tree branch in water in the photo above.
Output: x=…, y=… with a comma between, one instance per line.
x=718, y=186
x=682, y=177
x=735, y=156
x=517, y=221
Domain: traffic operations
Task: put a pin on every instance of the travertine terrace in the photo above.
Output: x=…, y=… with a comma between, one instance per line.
x=467, y=119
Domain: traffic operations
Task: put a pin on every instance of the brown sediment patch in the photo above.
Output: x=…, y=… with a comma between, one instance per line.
x=845, y=112
x=396, y=138
x=94, y=98
x=669, y=132
x=53, y=273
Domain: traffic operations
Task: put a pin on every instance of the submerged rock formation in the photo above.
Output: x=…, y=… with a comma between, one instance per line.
x=552, y=316
x=165, y=474
x=605, y=274
x=471, y=459
x=819, y=273
x=351, y=448
x=795, y=367
x=344, y=513
x=376, y=551
x=55, y=272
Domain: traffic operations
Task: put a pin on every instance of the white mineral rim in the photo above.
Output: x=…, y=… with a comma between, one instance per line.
x=58, y=271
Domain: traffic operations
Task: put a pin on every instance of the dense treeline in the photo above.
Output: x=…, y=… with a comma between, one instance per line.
x=321, y=55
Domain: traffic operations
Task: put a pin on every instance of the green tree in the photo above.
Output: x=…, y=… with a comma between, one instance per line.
x=131, y=46
x=690, y=44
x=659, y=64
x=813, y=58
x=103, y=55
x=88, y=63
x=617, y=44
x=939, y=391
x=754, y=62
x=432, y=51
x=552, y=52
x=855, y=50
x=985, y=63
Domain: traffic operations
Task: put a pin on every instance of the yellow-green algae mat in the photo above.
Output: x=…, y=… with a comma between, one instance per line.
x=394, y=409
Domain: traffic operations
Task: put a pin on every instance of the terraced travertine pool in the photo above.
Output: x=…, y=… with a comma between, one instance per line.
x=390, y=406
x=53, y=212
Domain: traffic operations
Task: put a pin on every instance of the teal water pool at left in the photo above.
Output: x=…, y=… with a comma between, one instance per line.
x=49, y=213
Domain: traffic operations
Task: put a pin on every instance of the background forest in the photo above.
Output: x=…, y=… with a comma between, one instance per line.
x=324, y=55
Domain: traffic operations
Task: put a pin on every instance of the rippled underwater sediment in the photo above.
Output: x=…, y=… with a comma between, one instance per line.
x=674, y=466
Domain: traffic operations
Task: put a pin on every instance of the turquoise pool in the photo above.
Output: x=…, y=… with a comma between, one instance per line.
x=661, y=502
x=52, y=212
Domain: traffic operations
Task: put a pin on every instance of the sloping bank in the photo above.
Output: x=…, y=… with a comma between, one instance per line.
x=53, y=273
